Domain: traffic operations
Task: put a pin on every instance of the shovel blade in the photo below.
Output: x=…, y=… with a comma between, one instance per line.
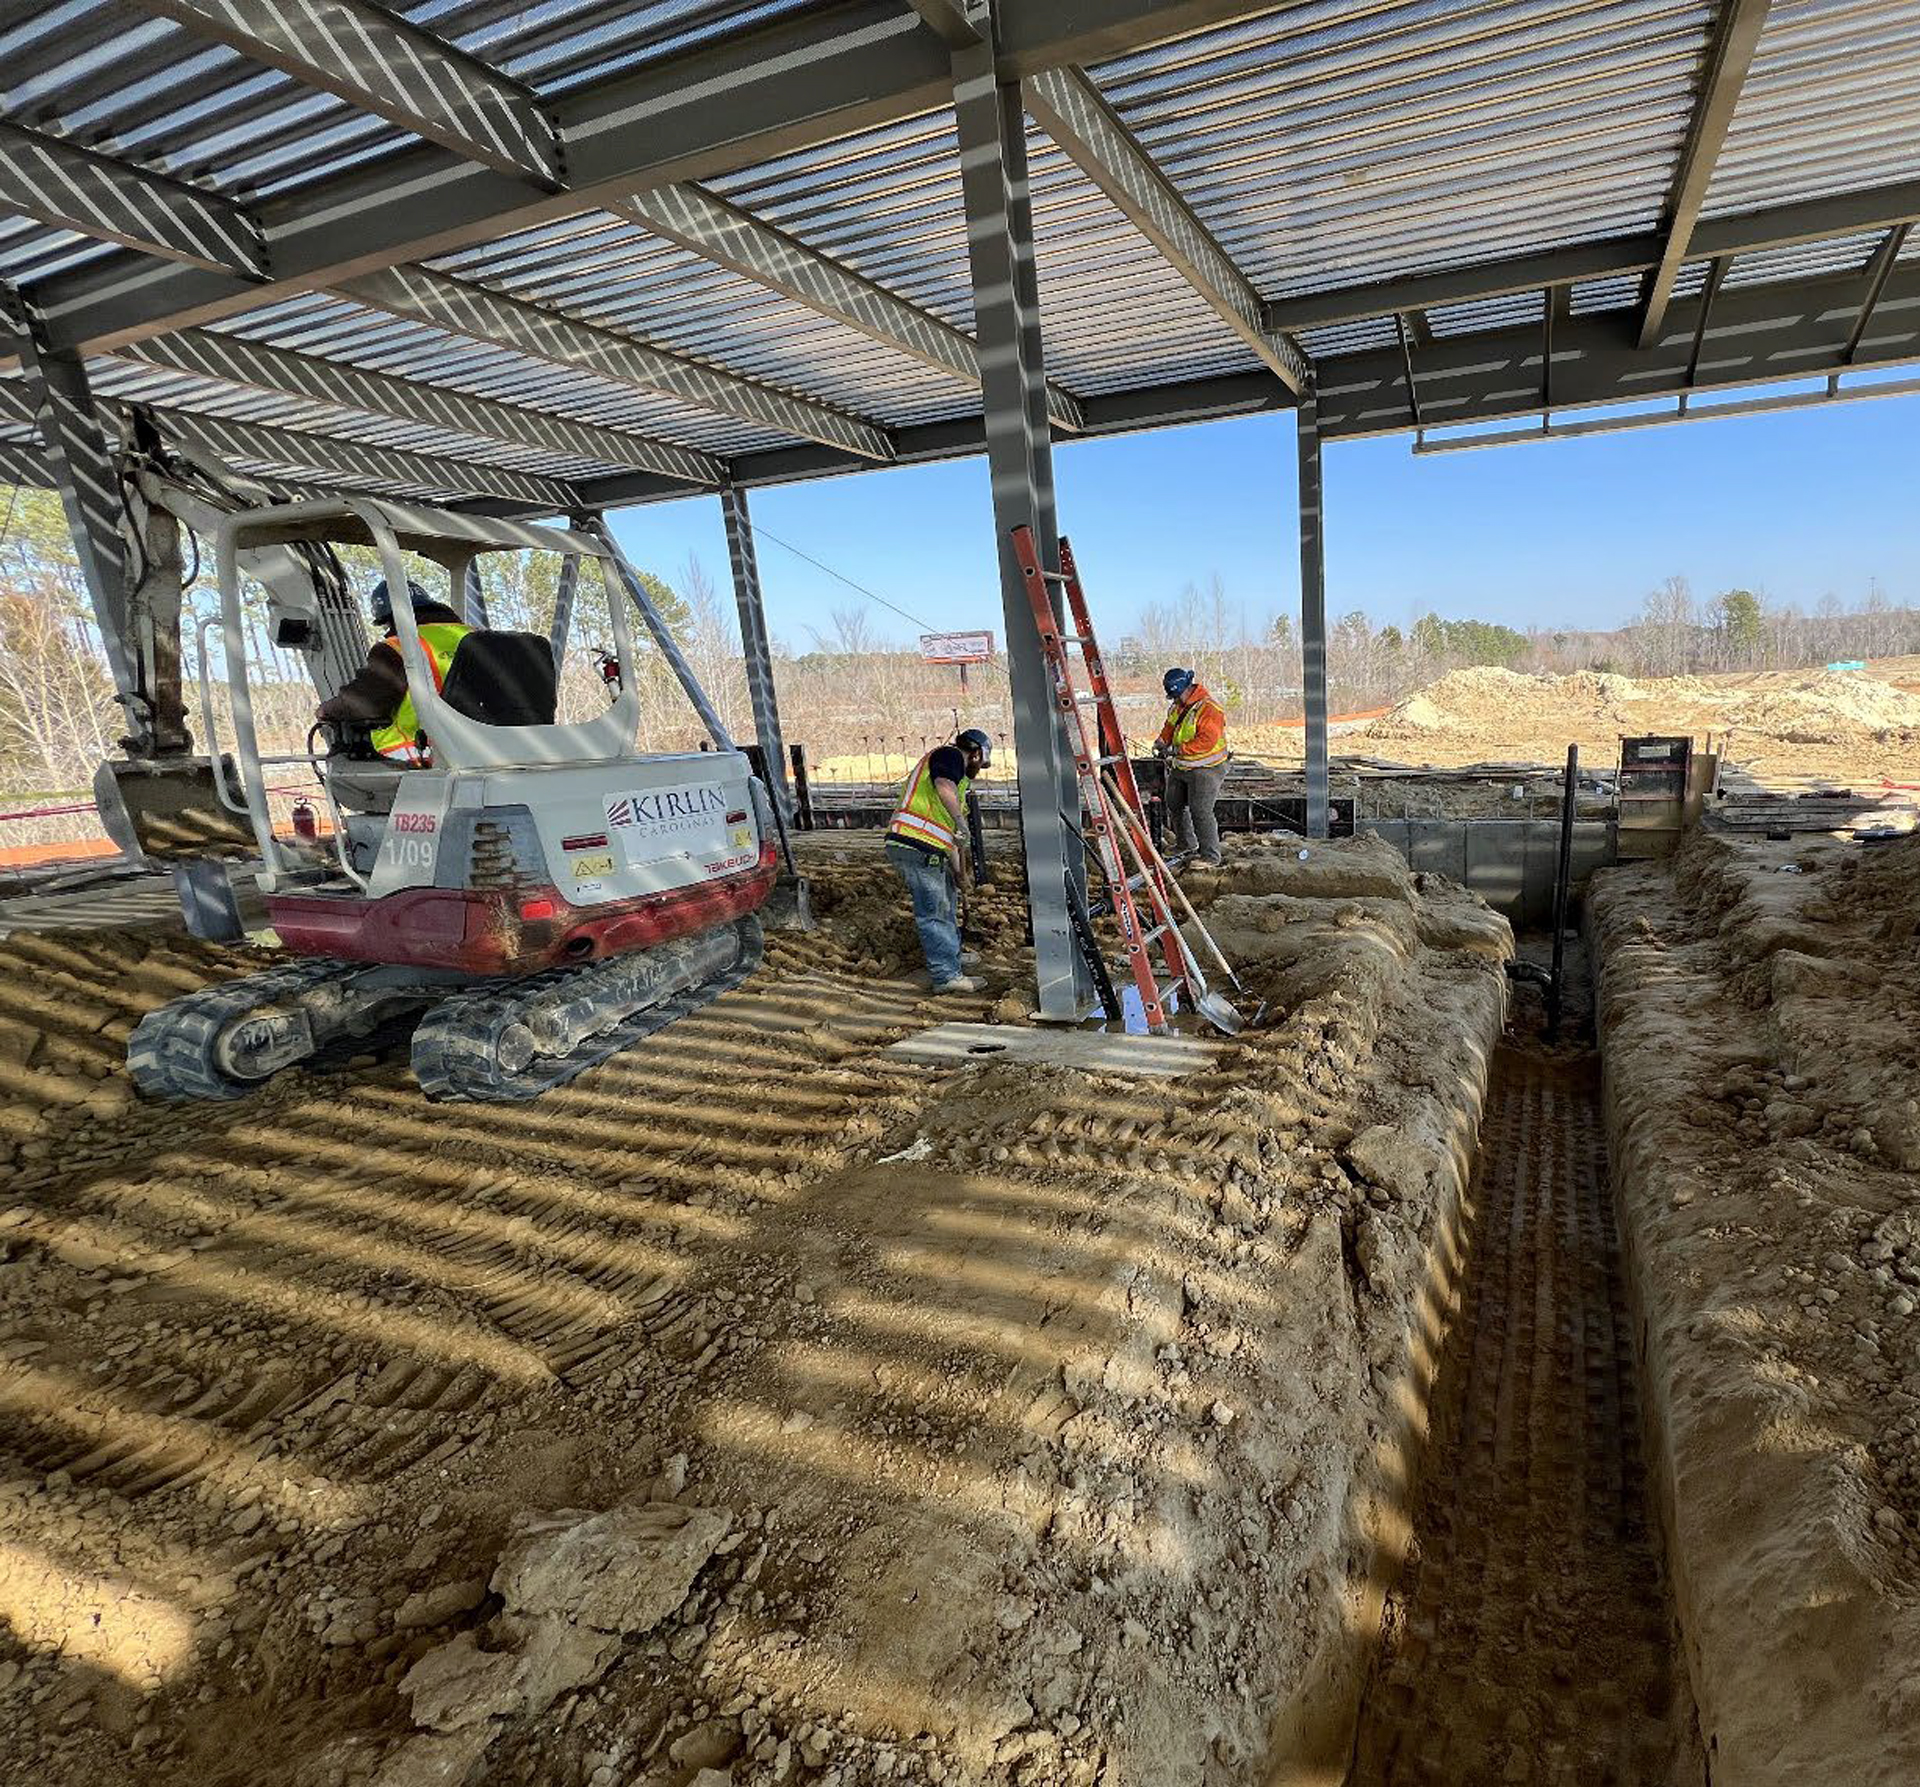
x=1215, y=1009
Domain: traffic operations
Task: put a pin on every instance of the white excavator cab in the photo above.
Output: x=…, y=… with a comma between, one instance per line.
x=544, y=891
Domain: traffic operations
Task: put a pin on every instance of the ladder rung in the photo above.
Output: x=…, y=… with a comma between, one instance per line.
x=1118, y=757
x=1054, y=576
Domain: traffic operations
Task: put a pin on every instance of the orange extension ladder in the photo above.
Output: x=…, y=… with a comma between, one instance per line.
x=1100, y=756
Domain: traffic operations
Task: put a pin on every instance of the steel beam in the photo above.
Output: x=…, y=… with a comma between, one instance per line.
x=1090, y=133
x=1702, y=315
x=56, y=182
x=1879, y=271
x=755, y=646
x=232, y=360
x=1755, y=335
x=26, y=462
x=1313, y=611
x=84, y=473
x=483, y=315
x=993, y=176
x=363, y=53
x=329, y=456
x=1778, y=226
x=708, y=226
x=1759, y=335
x=797, y=80
x=1736, y=35
x=958, y=24
x=17, y=406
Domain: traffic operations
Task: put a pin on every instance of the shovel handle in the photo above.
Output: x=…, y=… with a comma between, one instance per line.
x=1180, y=893
x=1187, y=957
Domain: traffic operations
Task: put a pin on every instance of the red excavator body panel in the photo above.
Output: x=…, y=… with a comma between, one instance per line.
x=523, y=930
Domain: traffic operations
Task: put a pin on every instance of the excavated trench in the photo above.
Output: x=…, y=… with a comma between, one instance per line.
x=1531, y=1637
x=1076, y=1416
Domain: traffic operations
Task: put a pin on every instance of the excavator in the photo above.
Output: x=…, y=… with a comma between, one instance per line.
x=536, y=897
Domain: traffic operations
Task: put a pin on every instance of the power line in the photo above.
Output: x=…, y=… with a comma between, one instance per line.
x=872, y=595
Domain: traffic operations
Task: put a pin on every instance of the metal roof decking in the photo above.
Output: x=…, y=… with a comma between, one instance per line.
x=628, y=252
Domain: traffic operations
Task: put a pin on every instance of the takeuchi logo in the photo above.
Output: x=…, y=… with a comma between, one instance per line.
x=666, y=809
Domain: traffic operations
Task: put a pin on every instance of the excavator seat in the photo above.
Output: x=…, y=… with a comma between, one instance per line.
x=504, y=679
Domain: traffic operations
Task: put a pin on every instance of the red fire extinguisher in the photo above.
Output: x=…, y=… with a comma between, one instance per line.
x=306, y=822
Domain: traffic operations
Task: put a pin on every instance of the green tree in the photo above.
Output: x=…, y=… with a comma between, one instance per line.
x=1742, y=624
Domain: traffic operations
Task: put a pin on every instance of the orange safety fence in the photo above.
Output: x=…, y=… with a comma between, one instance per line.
x=32, y=856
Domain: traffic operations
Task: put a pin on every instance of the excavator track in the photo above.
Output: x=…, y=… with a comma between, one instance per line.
x=513, y=1040
x=176, y=1053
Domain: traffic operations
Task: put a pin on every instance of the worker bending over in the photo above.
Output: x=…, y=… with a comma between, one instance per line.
x=377, y=696
x=1193, y=745
x=923, y=844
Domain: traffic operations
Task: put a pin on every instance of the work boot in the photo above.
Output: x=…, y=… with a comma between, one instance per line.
x=959, y=984
x=969, y=958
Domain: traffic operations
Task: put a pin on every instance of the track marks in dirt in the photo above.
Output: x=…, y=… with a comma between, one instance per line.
x=1530, y=1639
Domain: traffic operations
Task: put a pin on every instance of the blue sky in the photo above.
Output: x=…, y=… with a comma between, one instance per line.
x=1568, y=533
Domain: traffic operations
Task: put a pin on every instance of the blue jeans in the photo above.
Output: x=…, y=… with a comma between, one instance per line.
x=934, y=913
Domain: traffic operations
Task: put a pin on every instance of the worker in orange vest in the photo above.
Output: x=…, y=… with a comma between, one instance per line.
x=1193, y=745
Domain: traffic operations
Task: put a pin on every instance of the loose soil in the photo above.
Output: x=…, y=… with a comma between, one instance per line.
x=753, y=1409
x=1803, y=723
x=1531, y=1639
x=1760, y=1006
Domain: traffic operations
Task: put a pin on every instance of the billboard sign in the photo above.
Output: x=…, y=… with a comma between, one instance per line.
x=956, y=648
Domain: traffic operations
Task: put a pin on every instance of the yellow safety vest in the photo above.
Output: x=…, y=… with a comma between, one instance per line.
x=399, y=738
x=1185, y=725
x=922, y=816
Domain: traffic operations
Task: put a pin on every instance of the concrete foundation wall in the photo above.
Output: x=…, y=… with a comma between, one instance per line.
x=1509, y=863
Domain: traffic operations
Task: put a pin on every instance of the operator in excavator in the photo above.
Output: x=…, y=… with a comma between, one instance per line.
x=377, y=696
x=923, y=844
x=1193, y=746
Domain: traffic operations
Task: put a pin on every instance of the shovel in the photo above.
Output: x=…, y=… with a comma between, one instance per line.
x=1160, y=862
x=1214, y=1007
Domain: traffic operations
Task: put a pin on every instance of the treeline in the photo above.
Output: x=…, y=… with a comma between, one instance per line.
x=857, y=697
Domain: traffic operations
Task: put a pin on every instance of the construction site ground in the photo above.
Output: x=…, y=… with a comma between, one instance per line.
x=760, y=1408
x=1854, y=727
x=992, y=1425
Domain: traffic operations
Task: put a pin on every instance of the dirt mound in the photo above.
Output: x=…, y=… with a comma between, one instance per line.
x=1460, y=698
x=1830, y=708
x=1761, y=1006
x=1824, y=724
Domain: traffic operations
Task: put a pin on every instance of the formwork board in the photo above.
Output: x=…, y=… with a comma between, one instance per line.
x=1509, y=863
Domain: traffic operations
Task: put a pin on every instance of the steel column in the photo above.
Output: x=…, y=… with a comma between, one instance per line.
x=754, y=645
x=1313, y=612
x=993, y=168
x=89, y=486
